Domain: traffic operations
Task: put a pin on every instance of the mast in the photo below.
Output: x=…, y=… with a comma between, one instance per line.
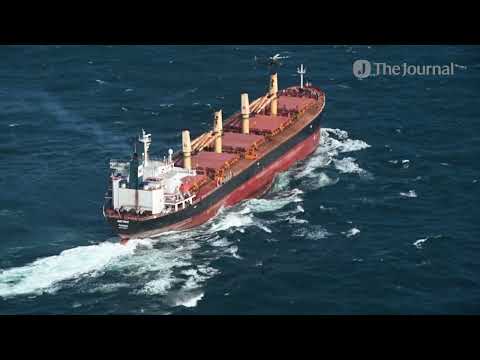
x=301, y=71
x=146, y=139
x=273, y=91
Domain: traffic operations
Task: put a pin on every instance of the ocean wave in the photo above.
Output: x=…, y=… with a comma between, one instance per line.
x=315, y=232
x=352, y=232
x=158, y=286
x=337, y=141
x=109, y=288
x=348, y=165
x=295, y=220
x=45, y=274
x=418, y=243
x=409, y=194
x=187, y=299
x=273, y=204
x=320, y=181
x=11, y=213
x=281, y=182
x=232, y=221
x=332, y=143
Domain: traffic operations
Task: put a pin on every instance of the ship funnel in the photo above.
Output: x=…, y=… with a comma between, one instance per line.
x=245, y=114
x=274, y=91
x=218, y=130
x=187, y=150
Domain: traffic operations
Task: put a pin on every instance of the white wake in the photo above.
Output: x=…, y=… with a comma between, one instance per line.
x=179, y=263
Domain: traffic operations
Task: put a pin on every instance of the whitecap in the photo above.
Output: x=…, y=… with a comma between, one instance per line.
x=337, y=140
x=45, y=274
x=322, y=180
x=351, y=232
x=232, y=221
x=409, y=194
x=277, y=203
x=108, y=288
x=233, y=250
x=318, y=161
x=295, y=220
x=11, y=213
x=348, y=165
x=281, y=182
x=332, y=142
x=158, y=286
x=353, y=145
x=264, y=228
x=222, y=242
x=321, y=207
x=188, y=300
x=315, y=232
x=419, y=242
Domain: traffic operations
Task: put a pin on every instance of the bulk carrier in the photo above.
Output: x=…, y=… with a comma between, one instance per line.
x=238, y=159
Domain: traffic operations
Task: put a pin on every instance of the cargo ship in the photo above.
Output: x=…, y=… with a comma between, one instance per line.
x=237, y=160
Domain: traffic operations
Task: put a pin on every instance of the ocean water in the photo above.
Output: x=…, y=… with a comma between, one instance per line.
x=382, y=219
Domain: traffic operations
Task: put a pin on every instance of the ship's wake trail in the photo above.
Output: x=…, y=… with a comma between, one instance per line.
x=176, y=265
x=45, y=274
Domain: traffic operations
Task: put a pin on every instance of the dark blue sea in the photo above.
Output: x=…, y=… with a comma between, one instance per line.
x=383, y=218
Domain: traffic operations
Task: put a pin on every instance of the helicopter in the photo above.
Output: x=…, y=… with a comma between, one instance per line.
x=271, y=60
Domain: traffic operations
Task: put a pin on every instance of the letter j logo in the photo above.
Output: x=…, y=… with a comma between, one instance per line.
x=362, y=69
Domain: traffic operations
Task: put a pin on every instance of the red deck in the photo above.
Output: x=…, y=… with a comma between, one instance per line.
x=262, y=124
x=206, y=160
x=240, y=142
x=291, y=103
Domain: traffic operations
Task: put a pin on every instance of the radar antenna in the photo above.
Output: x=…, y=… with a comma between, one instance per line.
x=301, y=71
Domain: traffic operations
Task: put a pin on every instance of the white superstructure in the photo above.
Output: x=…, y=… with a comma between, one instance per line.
x=157, y=187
